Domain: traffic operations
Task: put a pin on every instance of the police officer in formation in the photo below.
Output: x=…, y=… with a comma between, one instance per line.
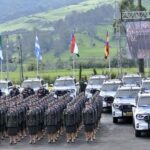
x=92, y=116
x=73, y=117
x=54, y=118
x=1, y=93
x=12, y=125
x=2, y=121
x=35, y=115
x=42, y=92
x=27, y=91
x=32, y=124
x=13, y=117
x=14, y=92
x=51, y=123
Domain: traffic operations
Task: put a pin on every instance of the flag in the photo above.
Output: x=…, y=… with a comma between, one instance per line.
x=38, y=49
x=1, y=54
x=107, y=46
x=73, y=46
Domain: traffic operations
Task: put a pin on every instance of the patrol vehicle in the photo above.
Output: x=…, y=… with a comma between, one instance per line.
x=34, y=83
x=123, y=102
x=141, y=114
x=145, y=85
x=132, y=79
x=6, y=86
x=64, y=85
x=94, y=84
x=108, y=91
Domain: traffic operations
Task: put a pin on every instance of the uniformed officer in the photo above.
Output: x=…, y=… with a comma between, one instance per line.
x=1, y=93
x=40, y=113
x=50, y=120
x=22, y=121
x=42, y=92
x=70, y=123
x=32, y=124
x=12, y=125
x=30, y=91
x=27, y=91
x=88, y=121
x=14, y=92
x=2, y=122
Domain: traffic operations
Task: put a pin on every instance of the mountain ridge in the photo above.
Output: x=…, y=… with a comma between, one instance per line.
x=14, y=9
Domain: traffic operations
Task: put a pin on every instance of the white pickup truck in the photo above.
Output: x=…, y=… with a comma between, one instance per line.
x=65, y=85
x=108, y=91
x=124, y=100
x=141, y=114
x=34, y=83
x=94, y=84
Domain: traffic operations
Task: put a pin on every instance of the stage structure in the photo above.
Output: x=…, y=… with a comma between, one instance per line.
x=137, y=29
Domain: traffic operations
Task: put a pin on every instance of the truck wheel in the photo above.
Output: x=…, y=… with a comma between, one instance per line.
x=115, y=120
x=137, y=133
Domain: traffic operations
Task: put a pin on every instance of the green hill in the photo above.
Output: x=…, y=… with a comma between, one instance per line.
x=55, y=25
x=40, y=19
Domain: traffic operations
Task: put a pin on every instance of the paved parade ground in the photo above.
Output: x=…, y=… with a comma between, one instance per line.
x=109, y=137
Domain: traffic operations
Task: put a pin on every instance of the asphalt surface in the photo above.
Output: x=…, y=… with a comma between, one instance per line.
x=109, y=137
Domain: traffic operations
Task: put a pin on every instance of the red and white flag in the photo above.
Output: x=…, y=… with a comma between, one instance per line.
x=73, y=46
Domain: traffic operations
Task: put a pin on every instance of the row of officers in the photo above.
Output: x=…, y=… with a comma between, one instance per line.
x=36, y=116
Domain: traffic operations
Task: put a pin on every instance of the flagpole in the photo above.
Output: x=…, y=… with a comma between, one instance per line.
x=147, y=67
x=7, y=47
x=1, y=55
x=1, y=69
x=37, y=69
x=109, y=66
x=73, y=65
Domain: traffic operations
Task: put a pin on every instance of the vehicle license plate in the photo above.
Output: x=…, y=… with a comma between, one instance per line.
x=128, y=114
x=109, y=104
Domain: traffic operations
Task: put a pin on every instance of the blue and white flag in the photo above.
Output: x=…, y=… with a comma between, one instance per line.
x=1, y=54
x=38, y=49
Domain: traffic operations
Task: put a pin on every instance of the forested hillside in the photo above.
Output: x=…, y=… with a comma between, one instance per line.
x=12, y=9
x=54, y=21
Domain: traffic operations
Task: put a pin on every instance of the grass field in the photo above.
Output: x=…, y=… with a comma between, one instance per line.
x=51, y=75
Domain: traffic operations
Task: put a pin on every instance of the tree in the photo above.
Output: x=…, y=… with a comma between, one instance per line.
x=127, y=5
x=94, y=71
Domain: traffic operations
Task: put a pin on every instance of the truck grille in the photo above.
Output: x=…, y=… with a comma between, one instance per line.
x=109, y=99
x=147, y=118
x=126, y=108
x=93, y=91
x=61, y=93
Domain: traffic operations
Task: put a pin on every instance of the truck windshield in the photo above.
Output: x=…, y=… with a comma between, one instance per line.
x=144, y=101
x=146, y=85
x=64, y=83
x=98, y=81
x=32, y=84
x=110, y=87
x=131, y=80
x=131, y=93
x=3, y=85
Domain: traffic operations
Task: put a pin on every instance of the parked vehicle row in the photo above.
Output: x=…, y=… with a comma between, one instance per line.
x=128, y=97
x=35, y=83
